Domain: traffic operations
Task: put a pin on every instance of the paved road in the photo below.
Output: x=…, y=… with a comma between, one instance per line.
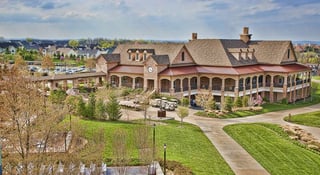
x=240, y=161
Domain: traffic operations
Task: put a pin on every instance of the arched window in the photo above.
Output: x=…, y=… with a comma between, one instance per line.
x=182, y=56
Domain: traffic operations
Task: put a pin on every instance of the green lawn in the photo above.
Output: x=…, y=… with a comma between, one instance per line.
x=309, y=119
x=272, y=148
x=316, y=77
x=279, y=106
x=187, y=145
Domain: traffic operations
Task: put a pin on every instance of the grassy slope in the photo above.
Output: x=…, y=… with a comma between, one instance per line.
x=309, y=119
x=187, y=145
x=270, y=146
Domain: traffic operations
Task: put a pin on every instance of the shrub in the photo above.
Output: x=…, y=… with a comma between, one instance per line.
x=185, y=101
x=245, y=100
x=238, y=102
x=228, y=104
x=284, y=101
x=177, y=167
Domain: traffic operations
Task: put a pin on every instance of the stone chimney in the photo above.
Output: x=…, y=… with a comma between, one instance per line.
x=245, y=36
x=194, y=36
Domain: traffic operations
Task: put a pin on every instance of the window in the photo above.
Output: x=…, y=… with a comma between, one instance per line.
x=144, y=55
x=288, y=53
x=182, y=56
x=137, y=56
x=129, y=52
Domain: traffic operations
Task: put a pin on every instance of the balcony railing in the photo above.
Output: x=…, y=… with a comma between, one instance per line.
x=254, y=86
x=216, y=88
x=278, y=85
x=185, y=88
x=177, y=89
x=229, y=88
x=164, y=89
x=193, y=87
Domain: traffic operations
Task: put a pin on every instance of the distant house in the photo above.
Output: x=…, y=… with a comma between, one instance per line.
x=224, y=67
x=67, y=52
x=8, y=47
x=50, y=50
x=88, y=53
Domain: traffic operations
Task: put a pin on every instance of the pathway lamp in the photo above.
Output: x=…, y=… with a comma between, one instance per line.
x=164, y=158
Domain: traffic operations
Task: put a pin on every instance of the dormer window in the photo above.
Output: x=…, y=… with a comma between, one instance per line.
x=129, y=52
x=144, y=55
x=288, y=53
x=137, y=55
x=182, y=56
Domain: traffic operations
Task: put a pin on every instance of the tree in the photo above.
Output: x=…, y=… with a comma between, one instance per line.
x=210, y=104
x=90, y=63
x=182, y=113
x=101, y=110
x=91, y=106
x=27, y=118
x=19, y=62
x=113, y=108
x=205, y=100
x=47, y=62
x=228, y=104
x=120, y=150
x=238, y=102
x=73, y=43
x=185, y=101
x=103, y=44
x=71, y=103
x=57, y=96
x=81, y=108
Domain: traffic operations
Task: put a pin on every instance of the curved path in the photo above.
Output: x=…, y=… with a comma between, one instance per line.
x=240, y=161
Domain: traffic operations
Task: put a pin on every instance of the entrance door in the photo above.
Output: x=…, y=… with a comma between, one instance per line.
x=150, y=84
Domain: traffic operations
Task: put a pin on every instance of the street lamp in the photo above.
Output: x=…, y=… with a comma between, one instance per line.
x=164, y=158
x=154, y=142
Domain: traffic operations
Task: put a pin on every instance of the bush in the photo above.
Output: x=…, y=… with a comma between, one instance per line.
x=176, y=167
x=185, y=101
x=238, y=102
x=284, y=101
x=245, y=100
x=228, y=104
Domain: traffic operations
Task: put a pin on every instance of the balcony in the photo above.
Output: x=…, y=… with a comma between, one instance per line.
x=216, y=88
x=229, y=88
x=193, y=87
x=177, y=89
x=165, y=90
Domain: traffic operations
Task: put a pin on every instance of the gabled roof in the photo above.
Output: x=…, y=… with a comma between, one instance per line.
x=111, y=57
x=161, y=59
x=170, y=49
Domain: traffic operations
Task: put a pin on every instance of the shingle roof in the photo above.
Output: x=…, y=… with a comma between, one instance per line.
x=170, y=49
x=161, y=59
x=111, y=57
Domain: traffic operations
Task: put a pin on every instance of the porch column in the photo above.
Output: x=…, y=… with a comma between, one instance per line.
x=257, y=88
x=120, y=81
x=222, y=95
x=145, y=84
x=181, y=86
x=271, y=89
x=303, y=93
x=133, y=83
x=290, y=89
x=295, y=88
x=210, y=85
x=263, y=93
x=251, y=88
x=65, y=84
x=236, y=89
x=285, y=87
x=198, y=83
x=189, y=88
x=171, y=86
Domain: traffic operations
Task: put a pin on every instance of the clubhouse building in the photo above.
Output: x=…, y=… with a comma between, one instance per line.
x=224, y=67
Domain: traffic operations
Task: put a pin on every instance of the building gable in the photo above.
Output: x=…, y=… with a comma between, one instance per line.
x=289, y=54
x=183, y=57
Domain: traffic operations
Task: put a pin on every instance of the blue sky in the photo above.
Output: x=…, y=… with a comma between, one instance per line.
x=160, y=19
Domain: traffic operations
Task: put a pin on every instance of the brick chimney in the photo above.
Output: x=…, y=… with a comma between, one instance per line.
x=194, y=36
x=245, y=36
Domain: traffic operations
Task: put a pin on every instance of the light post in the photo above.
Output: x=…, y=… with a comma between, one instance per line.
x=0, y=157
x=154, y=142
x=164, y=158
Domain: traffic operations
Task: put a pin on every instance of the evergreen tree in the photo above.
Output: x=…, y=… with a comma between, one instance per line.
x=113, y=108
x=101, y=110
x=238, y=102
x=91, y=106
x=228, y=104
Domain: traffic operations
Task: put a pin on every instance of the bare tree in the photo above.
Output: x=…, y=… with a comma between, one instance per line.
x=29, y=119
x=143, y=142
x=120, y=150
x=182, y=112
x=47, y=62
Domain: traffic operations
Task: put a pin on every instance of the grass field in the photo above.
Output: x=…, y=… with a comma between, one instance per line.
x=272, y=148
x=187, y=145
x=309, y=119
x=316, y=77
